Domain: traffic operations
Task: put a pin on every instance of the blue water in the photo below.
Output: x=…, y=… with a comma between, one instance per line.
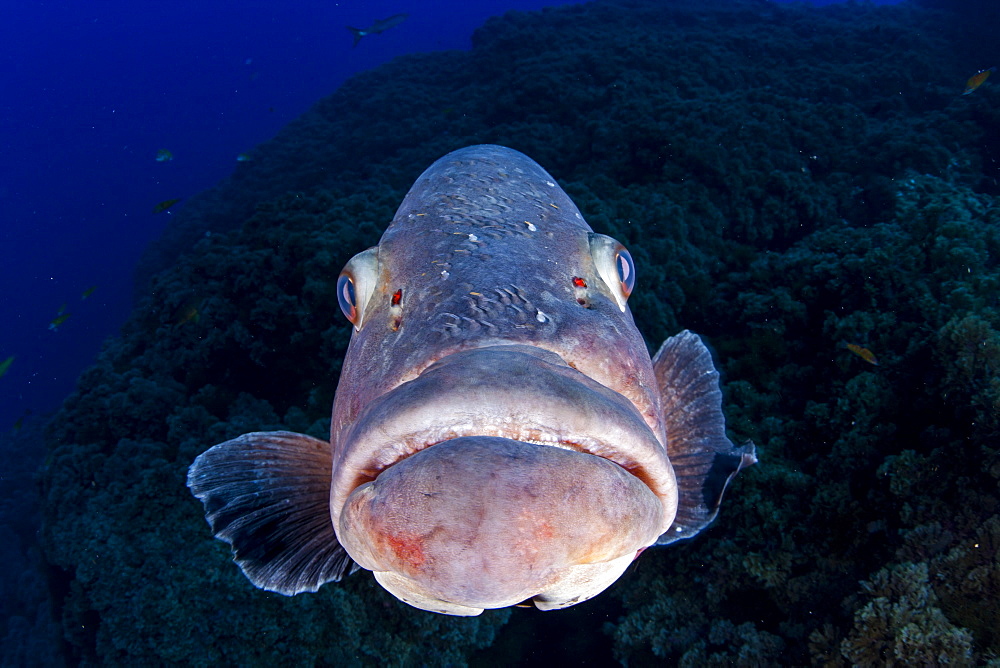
x=91, y=92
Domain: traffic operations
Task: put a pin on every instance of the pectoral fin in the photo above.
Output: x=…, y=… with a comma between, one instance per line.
x=704, y=459
x=268, y=495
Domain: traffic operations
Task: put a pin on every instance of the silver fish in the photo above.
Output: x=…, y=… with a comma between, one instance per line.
x=378, y=27
x=499, y=433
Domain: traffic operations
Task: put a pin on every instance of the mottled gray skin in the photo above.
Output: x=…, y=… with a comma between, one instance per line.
x=497, y=434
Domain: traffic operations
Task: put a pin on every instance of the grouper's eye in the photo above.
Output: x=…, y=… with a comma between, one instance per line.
x=615, y=266
x=626, y=271
x=356, y=285
x=348, y=300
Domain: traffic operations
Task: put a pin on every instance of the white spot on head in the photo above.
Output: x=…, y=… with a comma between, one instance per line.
x=550, y=184
x=473, y=237
x=444, y=273
x=540, y=316
x=531, y=226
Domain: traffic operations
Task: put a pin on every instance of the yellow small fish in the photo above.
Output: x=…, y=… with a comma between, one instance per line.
x=89, y=291
x=163, y=155
x=6, y=365
x=186, y=312
x=862, y=352
x=187, y=315
x=58, y=320
x=977, y=80
x=165, y=204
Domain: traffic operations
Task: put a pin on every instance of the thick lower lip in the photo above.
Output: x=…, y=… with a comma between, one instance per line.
x=483, y=522
x=514, y=392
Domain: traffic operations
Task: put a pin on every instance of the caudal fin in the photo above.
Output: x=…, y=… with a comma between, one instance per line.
x=704, y=459
x=267, y=494
x=358, y=34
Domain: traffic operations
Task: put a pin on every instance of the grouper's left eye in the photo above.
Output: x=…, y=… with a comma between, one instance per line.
x=615, y=266
x=626, y=270
x=356, y=285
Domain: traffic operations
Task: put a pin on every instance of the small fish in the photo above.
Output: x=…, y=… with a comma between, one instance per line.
x=186, y=312
x=6, y=365
x=20, y=421
x=377, y=27
x=163, y=155
x=62, y=309
x=89, y=291
x=977, y=80
x=165, y=204
x=244, y=157
x=59, y=320
x=862, y=352
x=504, y=444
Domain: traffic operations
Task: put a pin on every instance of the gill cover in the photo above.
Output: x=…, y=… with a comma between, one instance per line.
x=614, y=264
x=356, y=284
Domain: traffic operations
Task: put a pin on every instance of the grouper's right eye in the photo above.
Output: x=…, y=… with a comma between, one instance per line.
x=356, y=284
x=346, y=297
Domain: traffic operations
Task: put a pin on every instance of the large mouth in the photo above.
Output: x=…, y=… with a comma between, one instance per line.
x=520, y=393
x=498, y=475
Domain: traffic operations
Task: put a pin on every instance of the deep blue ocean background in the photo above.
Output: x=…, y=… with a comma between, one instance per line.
x=91, y=92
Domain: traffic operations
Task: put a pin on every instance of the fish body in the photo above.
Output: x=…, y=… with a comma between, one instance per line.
x=165, y=204
x=89, y=291
x=5, y=365
x=862, y=352
x=378, y=27
x=59, y=320
x=500, y=433
x=186, y=313
x=977, y=80
x=163, y=155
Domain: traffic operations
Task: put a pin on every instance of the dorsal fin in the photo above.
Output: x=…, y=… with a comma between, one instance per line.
x=268, y=495
x=703, y=457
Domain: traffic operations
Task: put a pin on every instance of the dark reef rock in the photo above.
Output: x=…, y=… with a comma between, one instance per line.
x=787, y=179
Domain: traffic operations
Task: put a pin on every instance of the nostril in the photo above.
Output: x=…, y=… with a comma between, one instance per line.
x=581, y=292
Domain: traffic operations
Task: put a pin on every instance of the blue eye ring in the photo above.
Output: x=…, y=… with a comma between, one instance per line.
x=347, y=298
x=626, y=271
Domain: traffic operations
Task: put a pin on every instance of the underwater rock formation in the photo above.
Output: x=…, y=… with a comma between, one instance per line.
x=787, y=179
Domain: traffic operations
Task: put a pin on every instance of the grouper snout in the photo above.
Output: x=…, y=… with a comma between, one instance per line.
x=500, y=475
x=499, y=432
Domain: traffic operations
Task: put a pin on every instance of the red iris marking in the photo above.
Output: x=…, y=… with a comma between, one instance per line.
x=579, y=282
x=397, y=297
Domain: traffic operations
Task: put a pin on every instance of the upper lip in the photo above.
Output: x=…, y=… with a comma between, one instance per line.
x=516, y=394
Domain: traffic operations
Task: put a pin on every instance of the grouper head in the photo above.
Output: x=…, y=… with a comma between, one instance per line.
x=496, y=433
x=500, y=433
